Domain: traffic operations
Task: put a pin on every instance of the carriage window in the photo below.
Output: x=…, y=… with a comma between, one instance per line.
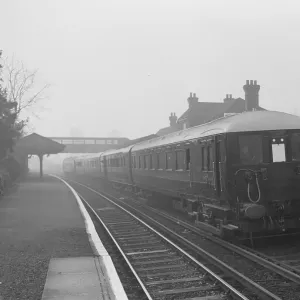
x=180, y=160
x=169, y=160
x=187, y=159
x=204, y=158
x=151, y=161
x=251, y=149
x=146, y=161
x=296, y=146
x=210, y=158
x=133, y=162
x=161, y=160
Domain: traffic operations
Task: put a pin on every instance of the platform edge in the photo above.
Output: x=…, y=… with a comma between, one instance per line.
x=97, y=246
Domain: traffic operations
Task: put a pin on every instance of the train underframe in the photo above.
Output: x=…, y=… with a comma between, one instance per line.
x=279, y=217
x=221, y=220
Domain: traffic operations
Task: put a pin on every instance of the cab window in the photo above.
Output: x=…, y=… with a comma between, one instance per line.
x=278, y=149
x=250, y=147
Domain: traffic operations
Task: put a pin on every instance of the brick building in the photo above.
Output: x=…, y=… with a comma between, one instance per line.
x=202, y=112
x=174, y=126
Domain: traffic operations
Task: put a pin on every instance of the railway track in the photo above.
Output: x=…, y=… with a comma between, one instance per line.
x=285, y=256
x=165, y=270
x=162, y=268
x=287, y=266
x=291, y=262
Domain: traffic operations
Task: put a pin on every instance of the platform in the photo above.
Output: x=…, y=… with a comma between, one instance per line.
x=45, y=251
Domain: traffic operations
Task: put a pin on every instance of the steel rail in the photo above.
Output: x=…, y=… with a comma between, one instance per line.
x=119, y=248
x=286, y=271
x=212, y=259
x=215, y=276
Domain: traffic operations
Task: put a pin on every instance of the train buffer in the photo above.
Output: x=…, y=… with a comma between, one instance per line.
x=45, y=252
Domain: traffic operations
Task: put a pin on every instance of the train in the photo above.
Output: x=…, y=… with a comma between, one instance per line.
x=237, y=175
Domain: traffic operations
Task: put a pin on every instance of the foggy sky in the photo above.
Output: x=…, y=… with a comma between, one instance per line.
x=125, y=65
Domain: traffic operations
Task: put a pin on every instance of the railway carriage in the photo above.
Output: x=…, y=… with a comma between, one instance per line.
x=117, y=164
x=240, y=173
x=82, y=164
x=92, y=165
x=68, y=165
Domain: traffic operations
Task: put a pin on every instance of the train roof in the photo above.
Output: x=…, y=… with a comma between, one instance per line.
x=88, y=156
x=93, y=155
x=70, y=158
x=118, y=151
x=243, y=122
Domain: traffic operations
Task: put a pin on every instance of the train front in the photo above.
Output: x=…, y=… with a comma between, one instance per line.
x=265, y=180
x=68, y=166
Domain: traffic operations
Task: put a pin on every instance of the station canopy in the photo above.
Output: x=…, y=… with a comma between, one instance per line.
x=35, y=144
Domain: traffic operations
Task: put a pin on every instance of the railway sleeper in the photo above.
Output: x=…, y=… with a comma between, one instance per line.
x=156, y=261
x=188, y=290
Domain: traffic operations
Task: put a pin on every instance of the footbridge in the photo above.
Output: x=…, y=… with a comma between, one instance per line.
x=89, y=144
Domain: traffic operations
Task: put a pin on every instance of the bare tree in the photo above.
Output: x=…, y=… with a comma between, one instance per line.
x=21, y=86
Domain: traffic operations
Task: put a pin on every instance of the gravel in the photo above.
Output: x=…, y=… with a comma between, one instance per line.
x=32, y=231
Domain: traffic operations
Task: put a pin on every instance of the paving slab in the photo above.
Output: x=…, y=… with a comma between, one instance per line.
x=76, y=278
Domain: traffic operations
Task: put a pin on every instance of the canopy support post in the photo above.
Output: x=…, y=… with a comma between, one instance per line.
x=41, y=164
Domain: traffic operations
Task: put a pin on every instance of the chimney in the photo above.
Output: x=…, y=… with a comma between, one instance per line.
x=173, y=120
x=228, y=98
x=251, y=89
x=192, y=99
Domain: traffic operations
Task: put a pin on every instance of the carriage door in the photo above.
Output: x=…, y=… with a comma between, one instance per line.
x=105, y=165
x=131, y=160
x=218, y=164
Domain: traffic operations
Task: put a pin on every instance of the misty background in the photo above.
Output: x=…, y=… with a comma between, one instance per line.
x=118, y=68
